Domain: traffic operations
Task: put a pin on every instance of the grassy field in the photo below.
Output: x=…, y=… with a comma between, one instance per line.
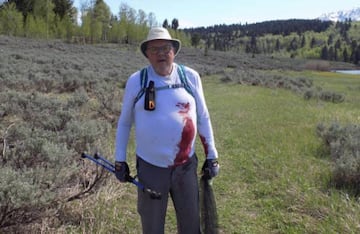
x=274, y=174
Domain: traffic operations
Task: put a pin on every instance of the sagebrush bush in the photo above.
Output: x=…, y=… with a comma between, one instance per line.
x=327, y=96
x=309, y=94
x=108, y=104
x=318, y=65
x=343, y=146
x=78, y=99
x=331, y=97
x=17, y=193
x=260, y=78
x=299, y=85
x=43, y=136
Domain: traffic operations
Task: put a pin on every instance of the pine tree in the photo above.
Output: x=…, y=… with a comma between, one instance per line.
x=175, y=24
x=63, y=8
x=165, y=24
x=345, y=56
x=324, y=53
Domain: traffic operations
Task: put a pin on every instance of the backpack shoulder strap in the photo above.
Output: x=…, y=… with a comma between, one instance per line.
x=183, y=79
x=143, y=83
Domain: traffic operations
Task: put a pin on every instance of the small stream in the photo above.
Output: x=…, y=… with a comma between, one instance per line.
x=352, y=72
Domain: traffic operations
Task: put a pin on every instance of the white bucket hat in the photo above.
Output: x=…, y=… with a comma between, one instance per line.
x=159, y=33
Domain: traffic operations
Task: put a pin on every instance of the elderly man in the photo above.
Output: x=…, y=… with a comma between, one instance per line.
x=165, y=102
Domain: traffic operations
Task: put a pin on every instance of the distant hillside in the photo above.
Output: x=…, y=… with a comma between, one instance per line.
x=342, y=16
x=315, y=39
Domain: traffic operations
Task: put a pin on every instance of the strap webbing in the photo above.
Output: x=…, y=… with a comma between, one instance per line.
x=181, y=71
x=171, y=86
x=144, y=80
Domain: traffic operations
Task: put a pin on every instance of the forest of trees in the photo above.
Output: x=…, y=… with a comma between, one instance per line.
x=293, y=38
x=96, y=24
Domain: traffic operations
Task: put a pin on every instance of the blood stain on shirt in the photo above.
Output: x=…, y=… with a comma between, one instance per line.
x=187, y=135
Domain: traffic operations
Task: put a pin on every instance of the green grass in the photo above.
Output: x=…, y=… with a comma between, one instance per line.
x=274, y=177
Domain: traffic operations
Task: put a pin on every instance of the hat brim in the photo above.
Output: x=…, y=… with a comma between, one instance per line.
x=176, y=43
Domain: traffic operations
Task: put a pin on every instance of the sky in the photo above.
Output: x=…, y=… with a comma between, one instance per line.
x=197, y=13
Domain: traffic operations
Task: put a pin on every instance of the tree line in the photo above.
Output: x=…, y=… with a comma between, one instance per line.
x=95, y=24
x=336, y=41
x=318, y=39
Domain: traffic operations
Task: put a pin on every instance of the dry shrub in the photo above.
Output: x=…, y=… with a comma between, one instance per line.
x=317, y=65
x=42, y=138
x=342, y=144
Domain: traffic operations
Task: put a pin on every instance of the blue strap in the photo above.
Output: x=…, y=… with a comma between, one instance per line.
x=181, y=71
x=143, y=83
x=144, y=80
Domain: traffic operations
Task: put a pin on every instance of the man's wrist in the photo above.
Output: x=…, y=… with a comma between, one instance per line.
x=118, y=165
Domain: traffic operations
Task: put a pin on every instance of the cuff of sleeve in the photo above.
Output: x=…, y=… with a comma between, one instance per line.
x=212, y=155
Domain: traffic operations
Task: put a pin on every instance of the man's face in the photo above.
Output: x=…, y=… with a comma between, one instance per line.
x=161, y=55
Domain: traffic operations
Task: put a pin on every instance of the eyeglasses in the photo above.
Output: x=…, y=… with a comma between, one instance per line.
x=155, y=50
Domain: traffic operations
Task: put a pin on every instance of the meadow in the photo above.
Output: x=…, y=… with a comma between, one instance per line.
x=276, y=173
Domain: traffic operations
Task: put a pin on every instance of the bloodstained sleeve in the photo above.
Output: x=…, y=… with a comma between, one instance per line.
x=203, y=121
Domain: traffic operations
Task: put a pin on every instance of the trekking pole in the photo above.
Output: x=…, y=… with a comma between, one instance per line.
x=101, y=161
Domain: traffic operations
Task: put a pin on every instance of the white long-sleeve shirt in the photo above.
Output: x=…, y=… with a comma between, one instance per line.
x=166, y=136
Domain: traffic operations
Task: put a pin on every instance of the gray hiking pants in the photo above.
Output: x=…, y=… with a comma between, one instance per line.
x=182, y=184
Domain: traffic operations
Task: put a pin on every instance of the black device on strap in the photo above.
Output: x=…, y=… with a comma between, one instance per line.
x=150, y=97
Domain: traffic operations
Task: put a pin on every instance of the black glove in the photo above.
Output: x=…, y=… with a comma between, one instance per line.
x=210, y=168
x=122, y=171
